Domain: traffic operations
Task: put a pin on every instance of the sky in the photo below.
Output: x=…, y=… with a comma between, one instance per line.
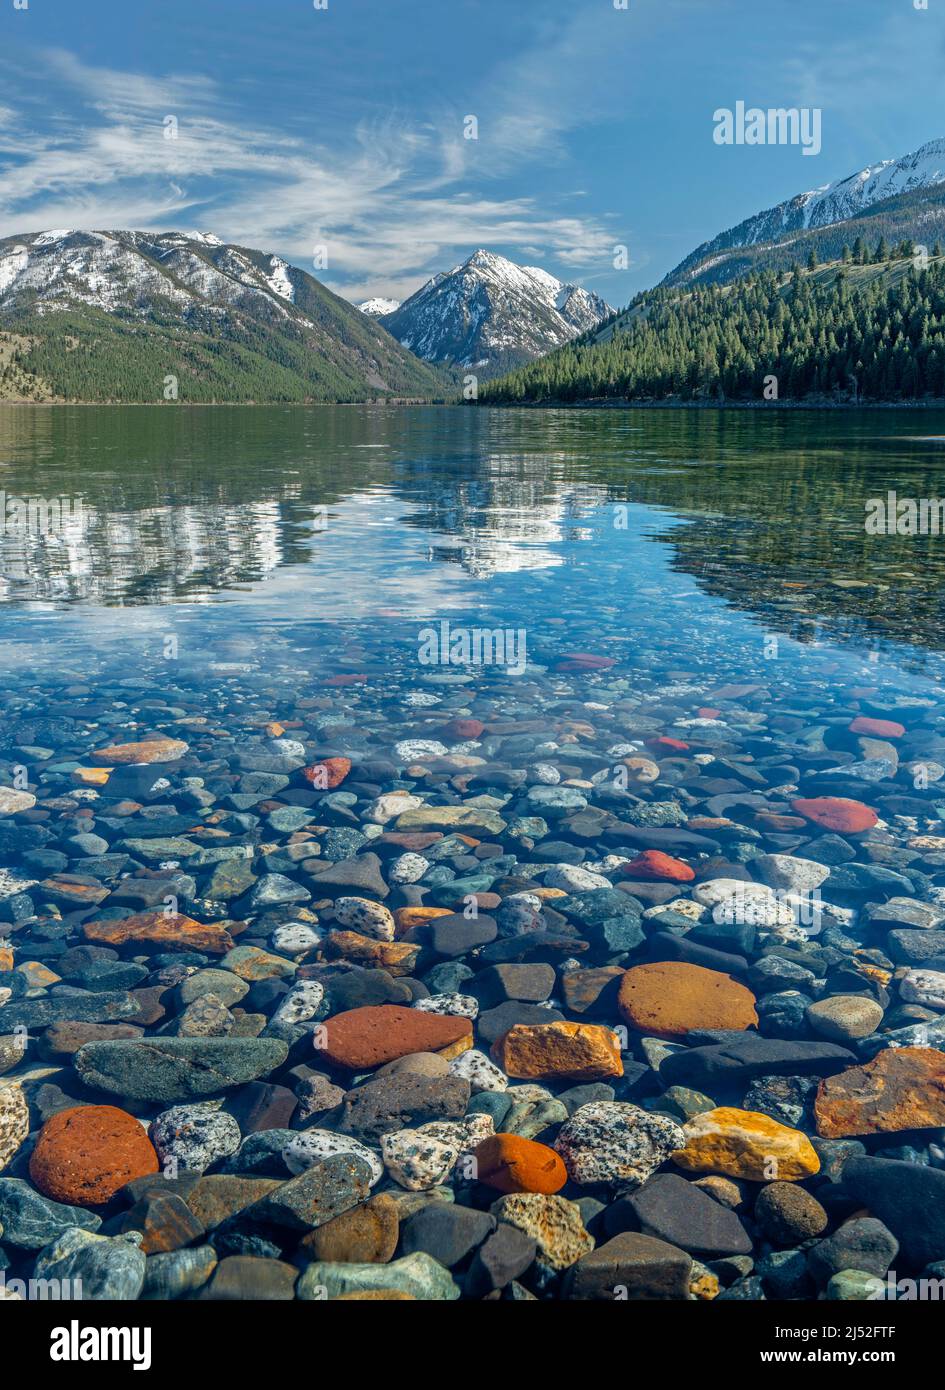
x=334, y=132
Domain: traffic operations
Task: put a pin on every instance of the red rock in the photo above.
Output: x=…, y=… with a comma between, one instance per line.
x=328, y=774
x=877, y=728
x=345, y=680
x=671, y=745
x=464, y=728
x=84, y=1155
x=654, y=864
x=708, y=713
x=363, y=1038
x=836, y=813
x=584, y=661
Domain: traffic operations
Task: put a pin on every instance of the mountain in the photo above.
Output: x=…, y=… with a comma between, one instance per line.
x=374, y=308
x=896, y=198
x=134, y=316
x=844, y=332
x=490, y=314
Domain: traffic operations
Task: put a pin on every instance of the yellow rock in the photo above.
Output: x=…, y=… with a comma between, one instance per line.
x=455, y=1049
x=704, y=1285
x=92, y=776
x=745, y=1144
x=572, y=1051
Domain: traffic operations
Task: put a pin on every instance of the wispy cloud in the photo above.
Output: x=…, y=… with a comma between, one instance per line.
x=390, y=205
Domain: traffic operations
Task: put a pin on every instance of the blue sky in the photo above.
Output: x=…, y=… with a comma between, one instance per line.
x=343, y=126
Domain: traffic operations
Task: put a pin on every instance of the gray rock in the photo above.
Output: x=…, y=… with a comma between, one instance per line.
x=176, y=1069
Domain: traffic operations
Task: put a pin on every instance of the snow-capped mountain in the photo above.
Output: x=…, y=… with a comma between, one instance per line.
x=225, y=321
x=845, y=200
x=490, y=314
x=374, y=308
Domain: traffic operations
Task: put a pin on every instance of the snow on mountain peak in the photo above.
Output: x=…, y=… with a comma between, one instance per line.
x=489, y=312
x=374, y=308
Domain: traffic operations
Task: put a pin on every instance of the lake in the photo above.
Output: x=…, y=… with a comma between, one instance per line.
x=421, y=713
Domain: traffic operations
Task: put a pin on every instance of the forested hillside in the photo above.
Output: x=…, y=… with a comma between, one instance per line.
x=869, y=327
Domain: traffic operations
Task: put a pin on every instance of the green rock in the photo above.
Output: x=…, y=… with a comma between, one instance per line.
x=176, y=1272
x=332, y=1186
x=108, y=1267
x=855, y=1286
x=30, y=1221
x=416, y=1274
x=166, y=1070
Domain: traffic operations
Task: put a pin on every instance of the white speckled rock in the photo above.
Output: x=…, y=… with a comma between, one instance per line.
x=572, y=878
x=412, y=750
x=923, y=987
x=194, y=1136
x=615, y=1142
x=426, y=1156
x=295, y=938
x=786, y=871
x=12, y=801
x=301, y=1003
x=391, y=805
x=311, y=1145
x=286, y=747
x=731, y=900
x=546, y=774
x=14, y=1121
x=481, y=1073
x=453, y=1005
x=407, y=868
x=364, y=916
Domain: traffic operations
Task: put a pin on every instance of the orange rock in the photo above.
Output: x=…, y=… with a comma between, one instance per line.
x=152, y=750
x=708, y=713
x=328, y=774
x=170, y=930
x=84, y=1155
x=666, y=744
x=406, y=918
x=902, y=1088
x=6, y=957
x=877, y=728
x=510, y=1163
x=575, y=1051
x=668, y=999
x=654, y=864
x=363, y=1038
x=275, y=729
x=396, y=957
x=836, y=813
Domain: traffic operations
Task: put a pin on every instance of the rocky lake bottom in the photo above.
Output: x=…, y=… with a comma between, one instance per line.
x=333, y=968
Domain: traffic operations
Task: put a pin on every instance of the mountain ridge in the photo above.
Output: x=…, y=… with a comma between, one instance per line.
x=489, y=314
x=897, y=198
x=129, y=315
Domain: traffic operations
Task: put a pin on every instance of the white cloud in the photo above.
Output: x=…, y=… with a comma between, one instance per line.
x=389, y=207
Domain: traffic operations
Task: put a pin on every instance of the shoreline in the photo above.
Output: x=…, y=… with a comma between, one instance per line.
x=592, y=404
